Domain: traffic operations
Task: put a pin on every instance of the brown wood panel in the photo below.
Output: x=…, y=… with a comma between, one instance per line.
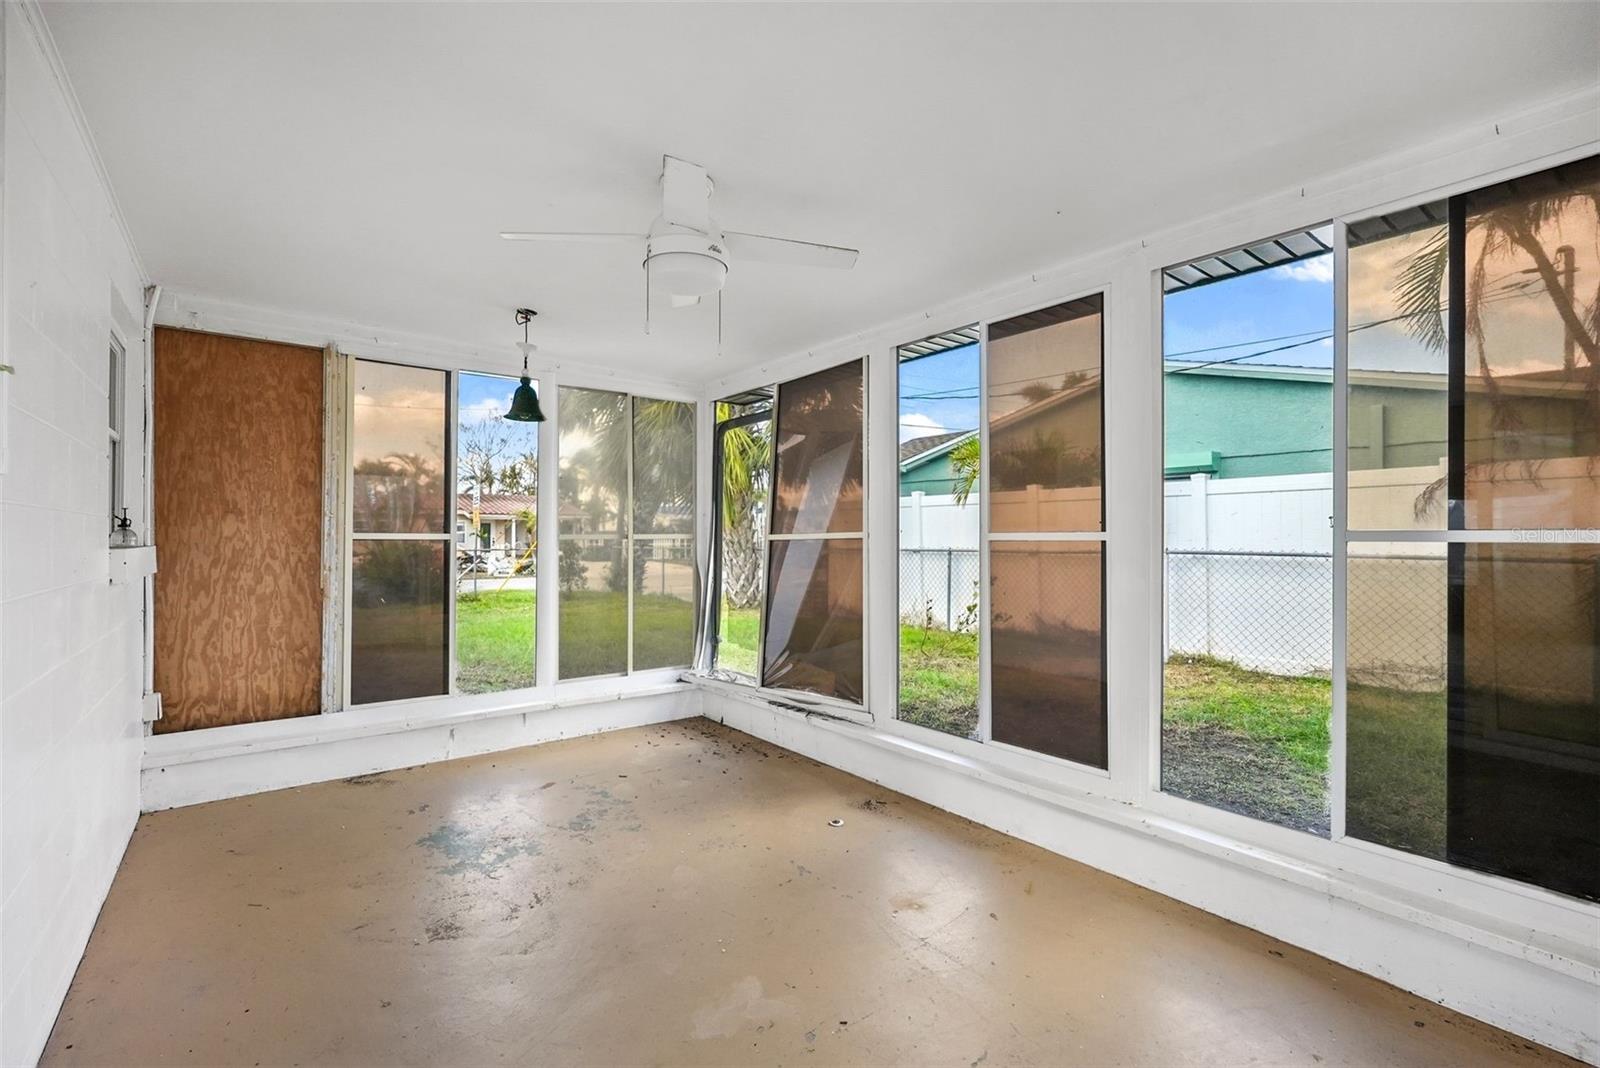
x=238, y=504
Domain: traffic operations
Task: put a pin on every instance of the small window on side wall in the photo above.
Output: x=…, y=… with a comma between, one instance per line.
x=115, y=390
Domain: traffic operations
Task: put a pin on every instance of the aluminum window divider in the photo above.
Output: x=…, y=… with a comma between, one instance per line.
x=769, y=537
x=1340, y=521
x=985, y=581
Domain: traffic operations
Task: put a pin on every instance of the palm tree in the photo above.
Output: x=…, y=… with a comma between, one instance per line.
x=662, y=461
x=746, y=467
x=1503, y=230
x=966, y=463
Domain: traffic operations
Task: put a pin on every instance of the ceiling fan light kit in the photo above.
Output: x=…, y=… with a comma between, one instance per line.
x=686, y=255
x=685, y=265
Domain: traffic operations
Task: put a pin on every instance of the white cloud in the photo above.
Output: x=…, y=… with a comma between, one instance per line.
x=918, y=425
x=1317, y=269
x=487, y=408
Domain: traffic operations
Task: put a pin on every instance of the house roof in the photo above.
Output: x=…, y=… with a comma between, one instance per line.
x=498, y=503
x=919, y=450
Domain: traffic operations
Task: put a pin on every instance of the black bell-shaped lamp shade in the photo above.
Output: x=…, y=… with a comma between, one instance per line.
x=525, y=400
x=525, y=404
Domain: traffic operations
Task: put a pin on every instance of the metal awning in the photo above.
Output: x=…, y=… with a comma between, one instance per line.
x=1247, y=259
x=1404, y=221
x=955, y=339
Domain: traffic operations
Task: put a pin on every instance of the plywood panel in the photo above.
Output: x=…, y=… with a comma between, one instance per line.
x=238, y=502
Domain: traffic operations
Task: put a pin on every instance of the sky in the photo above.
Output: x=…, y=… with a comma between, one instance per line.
x=485, y=397
x=1288, y=309
x=939, y=393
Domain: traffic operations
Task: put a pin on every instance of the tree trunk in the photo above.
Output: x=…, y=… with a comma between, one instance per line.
x=741, y=563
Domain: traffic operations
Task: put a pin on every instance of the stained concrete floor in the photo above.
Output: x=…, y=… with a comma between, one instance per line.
x=675, y=895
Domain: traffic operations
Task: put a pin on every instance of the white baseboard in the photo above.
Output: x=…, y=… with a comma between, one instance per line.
x=209, y=765
x=1481, y=965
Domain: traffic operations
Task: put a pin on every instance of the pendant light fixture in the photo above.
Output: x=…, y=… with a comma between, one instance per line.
x=525, y=401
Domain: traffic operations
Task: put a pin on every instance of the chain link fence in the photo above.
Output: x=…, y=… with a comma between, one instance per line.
x=939, y=588
x=1266, y=611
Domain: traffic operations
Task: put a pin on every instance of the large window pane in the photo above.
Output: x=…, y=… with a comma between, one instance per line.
x=398, y=640
x=594, y=460
x=1048, y=648
x=813, y=626
x=1248, y=426
x=1399, y=403
x=939, y=532
x=398, y=450
x=663, y=602
x=593, y=608
x=819, y=445
x=593, y=576
x=663, y=503
x=1532, y=444
x=663, y=467
x=1395, y=681
x=1045, y=420
x=1524, y=757
x=399, y=636
x=743, y=454
x=497, y=465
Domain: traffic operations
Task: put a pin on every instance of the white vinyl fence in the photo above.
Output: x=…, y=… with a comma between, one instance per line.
x=1249, y=572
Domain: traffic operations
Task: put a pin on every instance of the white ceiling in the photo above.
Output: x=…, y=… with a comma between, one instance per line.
x=357, y=161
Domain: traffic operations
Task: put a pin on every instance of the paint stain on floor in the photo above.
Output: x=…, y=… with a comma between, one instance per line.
x=678, y=894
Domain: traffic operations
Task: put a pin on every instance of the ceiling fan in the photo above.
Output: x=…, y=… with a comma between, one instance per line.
x=687, y=255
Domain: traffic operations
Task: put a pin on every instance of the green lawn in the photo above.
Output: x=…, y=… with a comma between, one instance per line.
x=494, y=640
x=939, y=679
x=1245, y=740
x=738, y=646
x=1395, y=748
x=1290, y=713
x=495, y=636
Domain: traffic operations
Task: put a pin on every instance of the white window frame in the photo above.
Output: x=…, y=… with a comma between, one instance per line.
x=1340, y=462
x=117, y=436
x=714, y=567
x=351, y=535
x=804, y=698
x=625, y=533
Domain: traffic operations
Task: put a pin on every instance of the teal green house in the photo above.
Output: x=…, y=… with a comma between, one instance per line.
x=925, y=463
x=1251, y=422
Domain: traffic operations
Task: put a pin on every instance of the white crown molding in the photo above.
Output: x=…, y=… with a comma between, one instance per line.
x=192, y=311
x=33, y=16
x=1554, y=131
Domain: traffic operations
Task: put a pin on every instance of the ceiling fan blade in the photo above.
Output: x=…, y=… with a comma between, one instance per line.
x=783, y=250
x=512, y=235
x=684, y=302
x=685, y=194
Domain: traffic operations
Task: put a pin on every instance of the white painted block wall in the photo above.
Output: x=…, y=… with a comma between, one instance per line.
x=70, y=642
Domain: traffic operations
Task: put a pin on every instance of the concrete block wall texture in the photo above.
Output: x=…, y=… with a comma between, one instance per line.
x=70, y=641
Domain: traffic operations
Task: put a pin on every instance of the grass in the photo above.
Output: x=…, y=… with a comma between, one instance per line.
x=495, y=636
x=494, y=640
x=1244, y=740
x=1395, y=744
x=739, y=646
x=938, y=669
x=939, y=679
x=1290, y=713
x=1247, y=741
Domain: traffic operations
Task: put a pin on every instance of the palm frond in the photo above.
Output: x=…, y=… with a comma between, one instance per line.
x=1419, y=291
